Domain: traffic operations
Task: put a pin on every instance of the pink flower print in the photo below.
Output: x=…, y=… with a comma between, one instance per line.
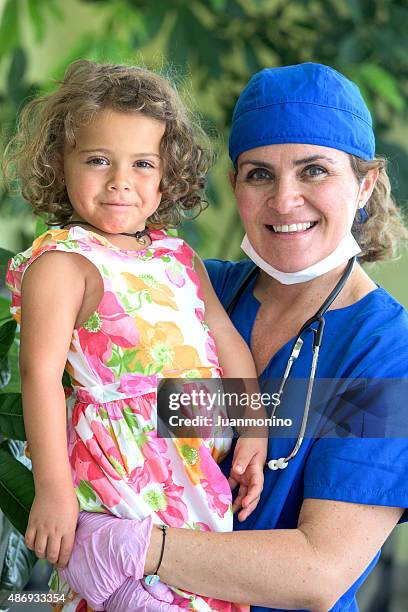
x=181, y=602
x=84, y=468
x=105, y=452
x=199, y=313
x=176, y=278
x=155, y=467
x=113, y=410
x=166, y=500
x=193, y=276
x=108, y=324
x=144, y=405
x=215, y=484
x=211, y=350
x=210, y=347
x=135, y=385
x=106, y=492
x=184, y=255
x=202, y=526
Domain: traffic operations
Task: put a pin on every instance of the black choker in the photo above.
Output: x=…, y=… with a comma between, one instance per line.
x=140, y=236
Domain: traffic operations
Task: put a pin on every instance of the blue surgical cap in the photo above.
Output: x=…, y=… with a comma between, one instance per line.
x=307, y=103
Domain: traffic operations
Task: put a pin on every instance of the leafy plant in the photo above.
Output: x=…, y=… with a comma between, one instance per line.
x=16, y=479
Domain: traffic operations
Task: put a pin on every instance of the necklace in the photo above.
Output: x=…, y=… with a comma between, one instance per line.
x=140, y=236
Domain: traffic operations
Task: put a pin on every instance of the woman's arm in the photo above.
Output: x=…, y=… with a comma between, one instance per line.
x=52, y=293
x=305, y=568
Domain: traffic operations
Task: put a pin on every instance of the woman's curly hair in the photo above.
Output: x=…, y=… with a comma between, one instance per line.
x=47, y=123
x=384, y=228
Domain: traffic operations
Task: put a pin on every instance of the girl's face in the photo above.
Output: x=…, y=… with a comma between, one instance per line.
x=297, y=201
x=113, y=172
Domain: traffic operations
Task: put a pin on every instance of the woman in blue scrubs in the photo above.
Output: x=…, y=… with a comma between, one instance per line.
x=307, y=184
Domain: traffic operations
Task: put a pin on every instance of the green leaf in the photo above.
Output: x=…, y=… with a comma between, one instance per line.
x=66, y=379
x=5, y=313
x=18, y=561
x=350, y=50
x=384, y=84
x=355, y=10
x=14, y=385
x=16, y=490
x=37, y=19
x=54, y=8
x=9, y=27
x=115, y=359
x=7, y=334
x=86, y=492
x=5, y=255
x=5, y=374
x=128, y=357
x=138, y=368
x=11, y=416
x=218, y=5
x=40, y=227
x=131, y=420
x=15, y=75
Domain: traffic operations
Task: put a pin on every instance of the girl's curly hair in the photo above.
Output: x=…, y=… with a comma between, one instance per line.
x=47, y=123
x=384, y=229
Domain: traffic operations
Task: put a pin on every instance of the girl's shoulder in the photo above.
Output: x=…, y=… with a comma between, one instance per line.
x=54, y=240
x=51, y=240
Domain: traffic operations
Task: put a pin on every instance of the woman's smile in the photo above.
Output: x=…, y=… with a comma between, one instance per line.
x=292, y=230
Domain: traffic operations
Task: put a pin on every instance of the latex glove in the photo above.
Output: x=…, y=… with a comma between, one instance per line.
x=107, y=551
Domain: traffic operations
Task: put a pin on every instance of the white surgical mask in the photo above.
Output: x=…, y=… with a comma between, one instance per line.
x=347, y=248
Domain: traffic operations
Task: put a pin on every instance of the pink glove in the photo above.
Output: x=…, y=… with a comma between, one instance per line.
x=107, y=551
x=134, y=596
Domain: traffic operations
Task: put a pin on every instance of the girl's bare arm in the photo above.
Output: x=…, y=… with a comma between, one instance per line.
x=237, y=363
x=233, y=353
x=52, y=292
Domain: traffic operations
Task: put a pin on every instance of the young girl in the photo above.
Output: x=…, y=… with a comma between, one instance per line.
x=109, y=157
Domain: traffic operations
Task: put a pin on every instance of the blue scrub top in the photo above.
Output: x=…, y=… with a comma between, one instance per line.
x=364, y=462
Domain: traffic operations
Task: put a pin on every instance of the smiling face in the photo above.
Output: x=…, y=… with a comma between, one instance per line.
x=113, y=172
x=297, y=201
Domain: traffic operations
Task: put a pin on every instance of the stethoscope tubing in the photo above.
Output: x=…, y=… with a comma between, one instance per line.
x=282, y=462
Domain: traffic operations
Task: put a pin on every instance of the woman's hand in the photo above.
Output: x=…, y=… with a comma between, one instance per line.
x=51, y=525
x=247, y=472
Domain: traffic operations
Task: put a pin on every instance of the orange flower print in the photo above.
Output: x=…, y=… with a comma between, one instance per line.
x=163, y=350
x=189, y=450
x=160, y=294
x=57, y=235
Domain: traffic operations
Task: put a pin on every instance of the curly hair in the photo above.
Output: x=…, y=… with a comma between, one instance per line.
x=384, y=229
x=48, y=122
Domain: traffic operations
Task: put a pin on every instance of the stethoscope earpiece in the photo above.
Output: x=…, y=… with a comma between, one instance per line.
x=277, y=464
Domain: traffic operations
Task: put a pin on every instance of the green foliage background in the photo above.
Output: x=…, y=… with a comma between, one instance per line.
x=210, y=48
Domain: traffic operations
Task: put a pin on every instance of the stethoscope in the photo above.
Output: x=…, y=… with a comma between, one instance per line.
x=280, y=464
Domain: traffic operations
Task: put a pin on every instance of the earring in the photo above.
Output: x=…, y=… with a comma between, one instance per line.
x=362, y=218
x=62, y=180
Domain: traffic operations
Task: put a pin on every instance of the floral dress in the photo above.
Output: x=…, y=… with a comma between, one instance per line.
x=149, y=325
